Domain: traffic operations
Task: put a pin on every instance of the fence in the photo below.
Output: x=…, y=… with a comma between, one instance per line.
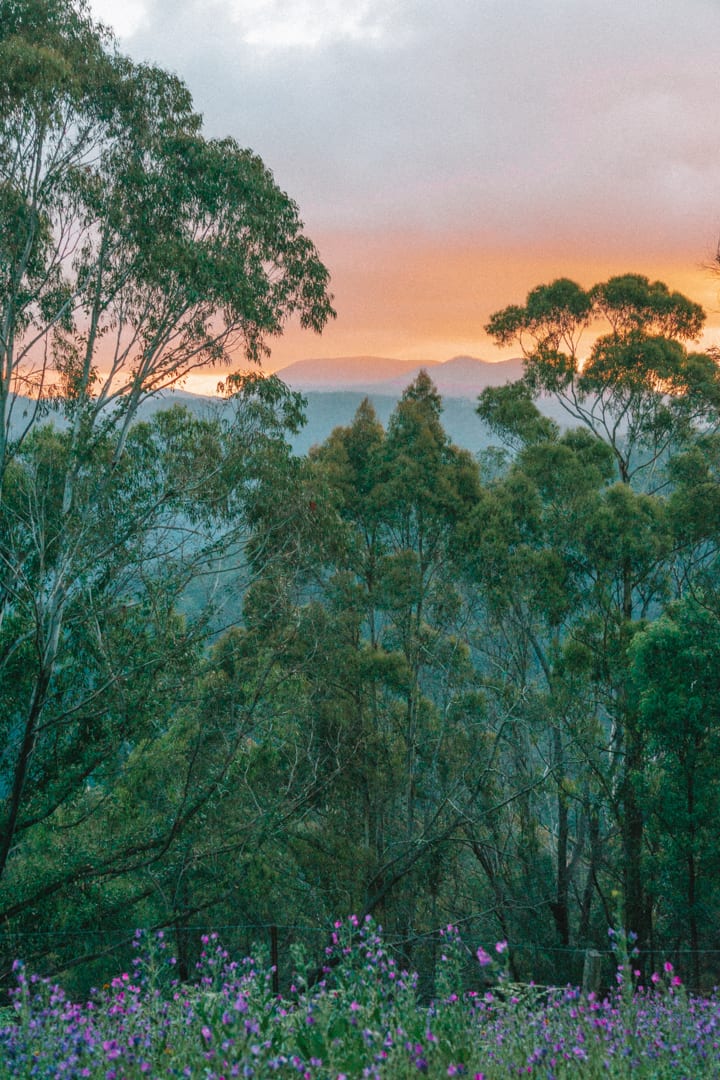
x=86, y=957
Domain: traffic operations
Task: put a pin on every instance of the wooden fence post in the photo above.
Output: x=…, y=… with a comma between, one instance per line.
x=274, y=959
x=592, y=971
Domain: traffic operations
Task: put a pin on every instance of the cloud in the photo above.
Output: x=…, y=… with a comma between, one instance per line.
x=441, y=152
x=515, y=118
x=274, y=25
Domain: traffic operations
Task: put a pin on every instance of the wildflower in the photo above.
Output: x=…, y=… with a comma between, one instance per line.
x=483, y=958
x=501, y=946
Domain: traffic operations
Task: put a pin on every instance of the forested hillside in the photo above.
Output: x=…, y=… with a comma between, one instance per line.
x=241, y=686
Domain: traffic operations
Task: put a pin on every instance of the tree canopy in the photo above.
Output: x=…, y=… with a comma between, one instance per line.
x=133, y=249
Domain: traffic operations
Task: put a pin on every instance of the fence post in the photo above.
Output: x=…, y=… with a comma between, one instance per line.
x=274, y=959
x=592, y=971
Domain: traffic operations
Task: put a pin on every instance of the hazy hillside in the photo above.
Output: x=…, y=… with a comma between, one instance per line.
x=459, y=382
x=462, y=376
x=349, y=372
x=326, y=411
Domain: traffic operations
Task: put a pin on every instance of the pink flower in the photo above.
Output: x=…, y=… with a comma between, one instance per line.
x=500, y=946
x=667, y=966
x=483, y=958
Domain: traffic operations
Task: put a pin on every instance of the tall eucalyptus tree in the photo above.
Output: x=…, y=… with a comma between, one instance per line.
x=132, y=251
x=639, y=391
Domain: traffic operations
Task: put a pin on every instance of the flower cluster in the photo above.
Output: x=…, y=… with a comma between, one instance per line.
x=359, y=1015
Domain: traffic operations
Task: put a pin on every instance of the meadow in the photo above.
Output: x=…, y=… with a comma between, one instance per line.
x=359, y=1015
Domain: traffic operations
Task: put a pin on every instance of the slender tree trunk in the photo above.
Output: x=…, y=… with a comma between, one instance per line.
x=591, y=879
x=637, y=911
x=22, y=766
x=692, y=885
x=560, y=908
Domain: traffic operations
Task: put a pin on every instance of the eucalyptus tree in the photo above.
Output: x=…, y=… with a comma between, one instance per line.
x=636, y=387
x=526, y=556
x=675, y=669
x=639, y=391
x=364, y=612
x=115, y=753
x=132, y=251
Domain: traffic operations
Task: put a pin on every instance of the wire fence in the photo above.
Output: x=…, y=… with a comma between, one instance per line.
x=89, y=956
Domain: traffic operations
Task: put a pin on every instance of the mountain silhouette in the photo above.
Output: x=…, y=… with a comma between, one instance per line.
x=460, y=377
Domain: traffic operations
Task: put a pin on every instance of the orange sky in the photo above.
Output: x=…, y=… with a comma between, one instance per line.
x=400, y=296
x=448, y=157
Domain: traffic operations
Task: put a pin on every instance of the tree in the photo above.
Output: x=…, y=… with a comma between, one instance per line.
x=95, y=717
x=676, y=678
x=641, y=393
x=365, y=613
x=638, y=388
x=132, y=250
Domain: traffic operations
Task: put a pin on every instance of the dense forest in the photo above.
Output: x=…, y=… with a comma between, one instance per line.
x=242, y=687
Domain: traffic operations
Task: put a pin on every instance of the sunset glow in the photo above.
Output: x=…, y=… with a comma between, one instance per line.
x=429, y=302
x=447, y=159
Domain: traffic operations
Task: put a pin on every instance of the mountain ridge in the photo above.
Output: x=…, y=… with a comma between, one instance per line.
x=461, y=376
x=345, y=372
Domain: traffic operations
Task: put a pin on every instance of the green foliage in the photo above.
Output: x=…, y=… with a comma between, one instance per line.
x=676, y=678
x=238, y=686
x=183, y=248
x=510, y=412
x=637, y=388
x=132, y=251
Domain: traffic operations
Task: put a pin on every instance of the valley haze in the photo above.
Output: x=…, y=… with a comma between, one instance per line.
x=335, y=387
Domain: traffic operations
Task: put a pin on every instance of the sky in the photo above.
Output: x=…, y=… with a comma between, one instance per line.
x=449, y=155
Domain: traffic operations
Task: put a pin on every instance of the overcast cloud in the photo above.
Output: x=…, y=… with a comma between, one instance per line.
x=507, y=116
x=585, y=123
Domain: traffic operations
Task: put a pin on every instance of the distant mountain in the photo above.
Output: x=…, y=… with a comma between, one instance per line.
x=461, y=377
x=459, y=381
x=347, y=372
